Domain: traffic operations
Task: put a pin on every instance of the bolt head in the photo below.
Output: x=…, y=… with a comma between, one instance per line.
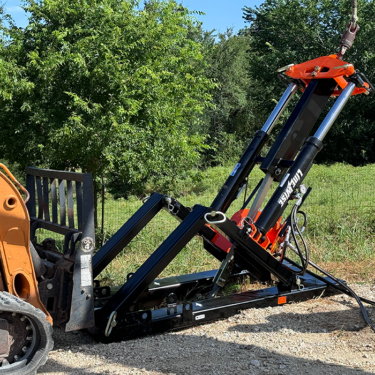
x=49, y=286
x=303, y=189
x=317, y=68
x=313, y=74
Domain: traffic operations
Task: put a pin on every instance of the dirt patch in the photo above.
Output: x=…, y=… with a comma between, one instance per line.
x=353, y=271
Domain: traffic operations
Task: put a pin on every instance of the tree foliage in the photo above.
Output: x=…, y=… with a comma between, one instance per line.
x=135, y=91
x=293, y=31
x=111, y=85
x=229, y=118
x=12, y=79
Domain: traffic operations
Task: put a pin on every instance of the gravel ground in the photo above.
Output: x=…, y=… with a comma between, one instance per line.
x=325, y=336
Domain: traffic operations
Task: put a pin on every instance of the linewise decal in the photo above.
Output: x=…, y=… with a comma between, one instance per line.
x=290, y=188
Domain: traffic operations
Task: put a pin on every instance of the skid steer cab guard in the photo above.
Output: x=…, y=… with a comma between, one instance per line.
x=62, y=203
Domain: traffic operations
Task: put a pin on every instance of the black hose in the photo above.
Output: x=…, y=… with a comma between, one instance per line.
x=339, y=284
x=324, y=280
x=344, y=289
x=294, y=227
x=349, y=292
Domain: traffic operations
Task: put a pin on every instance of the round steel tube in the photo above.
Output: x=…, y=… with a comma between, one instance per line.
x=279, y=109
x=334, y=112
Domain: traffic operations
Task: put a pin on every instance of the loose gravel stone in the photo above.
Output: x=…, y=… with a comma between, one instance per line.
x=324, y=336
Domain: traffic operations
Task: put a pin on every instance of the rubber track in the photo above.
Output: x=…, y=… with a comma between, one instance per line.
x=29, y=366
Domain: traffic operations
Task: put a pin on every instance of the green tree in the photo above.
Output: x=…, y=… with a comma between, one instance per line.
x=229, y=118
x=12, y=83
x=12, y=77
x=112, y=87
x=293, y=31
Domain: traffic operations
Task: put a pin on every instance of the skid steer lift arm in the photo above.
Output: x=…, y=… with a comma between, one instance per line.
x=254, y=241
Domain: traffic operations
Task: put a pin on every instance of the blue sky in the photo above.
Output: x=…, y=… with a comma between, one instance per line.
x=220, y=14
x=13, y=8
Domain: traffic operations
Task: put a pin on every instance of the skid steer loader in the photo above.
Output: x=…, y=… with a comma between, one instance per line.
x=41, y=286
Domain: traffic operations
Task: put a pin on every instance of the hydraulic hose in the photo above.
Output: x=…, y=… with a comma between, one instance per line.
x=295, y=228
x=342, y=287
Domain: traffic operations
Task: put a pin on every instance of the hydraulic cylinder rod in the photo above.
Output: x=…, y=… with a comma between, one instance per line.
x=301, y=166
x=279, y=109
x=235, y=181
x=334, y=112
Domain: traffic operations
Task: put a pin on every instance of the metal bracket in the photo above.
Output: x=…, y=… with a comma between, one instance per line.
x=104, y=291
x=187, y=314
x=223, y=273
x=213, y=214
x=112, y=323
x=284, y=68
x=172, y=304
x=299, y=284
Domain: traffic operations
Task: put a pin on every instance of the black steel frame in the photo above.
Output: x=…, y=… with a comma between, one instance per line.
x=60, y=202
x=247, y=253
x=182, y=315
x=75, y=193
x=120, y=313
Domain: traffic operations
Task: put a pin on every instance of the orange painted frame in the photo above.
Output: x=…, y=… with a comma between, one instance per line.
x=325, y=67
x=16, y=262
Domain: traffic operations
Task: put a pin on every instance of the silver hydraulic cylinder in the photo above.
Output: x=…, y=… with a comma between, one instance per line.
x=334, y=112
x=280, y=107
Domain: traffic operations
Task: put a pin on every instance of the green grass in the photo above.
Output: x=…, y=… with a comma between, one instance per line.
x=341, y=229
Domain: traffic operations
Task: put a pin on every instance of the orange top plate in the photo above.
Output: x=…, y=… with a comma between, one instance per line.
x=325, y=67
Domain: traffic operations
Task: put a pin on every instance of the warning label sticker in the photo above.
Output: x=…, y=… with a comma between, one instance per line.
x=235, y=169
x=86, y=278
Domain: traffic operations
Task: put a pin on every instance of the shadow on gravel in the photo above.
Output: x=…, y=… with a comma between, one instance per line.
x=313, y=322
x=53, y=366
x=186, y=354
